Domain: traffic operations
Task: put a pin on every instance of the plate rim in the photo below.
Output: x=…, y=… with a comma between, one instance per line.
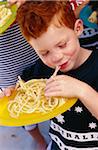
x=10, y=20
x=27, y=119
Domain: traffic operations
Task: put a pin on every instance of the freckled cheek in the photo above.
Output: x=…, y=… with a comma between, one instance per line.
x=71, y=49
x=70, y=53
x=73, y=53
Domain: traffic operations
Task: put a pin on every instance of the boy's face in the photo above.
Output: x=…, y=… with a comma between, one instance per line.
x=59, y=46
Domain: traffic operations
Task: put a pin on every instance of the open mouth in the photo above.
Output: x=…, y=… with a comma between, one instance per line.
x=63, y=66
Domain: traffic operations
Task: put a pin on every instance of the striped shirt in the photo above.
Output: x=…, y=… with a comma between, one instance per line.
x=15, y=55
x=89, y=37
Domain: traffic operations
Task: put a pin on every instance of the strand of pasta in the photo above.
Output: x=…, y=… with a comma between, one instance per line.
x=30, y=98
x=56, y=71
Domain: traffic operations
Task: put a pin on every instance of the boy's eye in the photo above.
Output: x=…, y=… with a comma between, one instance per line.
x=62, y=45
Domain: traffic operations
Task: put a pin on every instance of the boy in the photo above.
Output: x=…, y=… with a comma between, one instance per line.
x=15, y=55
x=52, y=29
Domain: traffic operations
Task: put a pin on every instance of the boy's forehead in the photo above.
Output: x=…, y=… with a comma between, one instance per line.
x=50, y=38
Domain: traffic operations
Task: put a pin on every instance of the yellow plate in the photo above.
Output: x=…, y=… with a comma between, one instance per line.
x=10, y=20
x=26, y=119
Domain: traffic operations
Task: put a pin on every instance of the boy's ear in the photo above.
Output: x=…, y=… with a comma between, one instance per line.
x=78, y=28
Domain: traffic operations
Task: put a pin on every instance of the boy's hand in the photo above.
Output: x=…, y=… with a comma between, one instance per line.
x=6, y=91
x=63, y=85
x=18, y=2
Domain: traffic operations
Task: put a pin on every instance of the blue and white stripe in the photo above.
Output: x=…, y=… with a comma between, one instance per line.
x=15, y=55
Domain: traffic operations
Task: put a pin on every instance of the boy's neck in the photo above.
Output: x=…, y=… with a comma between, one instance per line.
x=84, y=55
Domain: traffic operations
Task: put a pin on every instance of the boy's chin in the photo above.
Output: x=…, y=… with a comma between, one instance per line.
x=65, y=70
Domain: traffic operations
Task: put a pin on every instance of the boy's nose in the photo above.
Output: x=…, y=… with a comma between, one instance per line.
x=57, y=57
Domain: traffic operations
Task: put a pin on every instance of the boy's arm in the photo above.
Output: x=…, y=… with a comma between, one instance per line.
x=67, y=86
x=89, y=97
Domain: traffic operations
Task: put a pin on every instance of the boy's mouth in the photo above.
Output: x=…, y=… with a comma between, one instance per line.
x=63, y=66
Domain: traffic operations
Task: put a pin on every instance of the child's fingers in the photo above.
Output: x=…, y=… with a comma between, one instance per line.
x=52, y=85
x=11, y=1
x=54, y=79
x=8, y=91
x=52, y=92
x=18, y=2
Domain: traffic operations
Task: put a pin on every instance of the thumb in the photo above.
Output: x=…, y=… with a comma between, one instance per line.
x=8, y=91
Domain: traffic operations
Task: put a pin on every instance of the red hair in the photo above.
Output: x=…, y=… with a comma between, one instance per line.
x=35, y=17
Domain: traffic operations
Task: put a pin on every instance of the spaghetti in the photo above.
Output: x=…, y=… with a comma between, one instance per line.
x=30, y=98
